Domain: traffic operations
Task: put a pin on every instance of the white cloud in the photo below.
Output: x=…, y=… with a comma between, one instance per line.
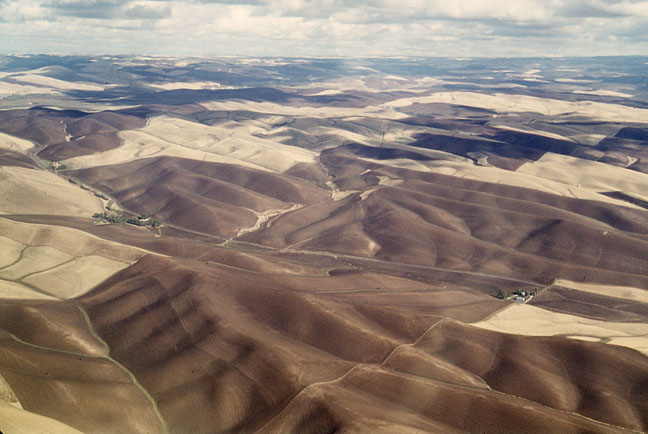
x=21, y=11
x=328, y=27
x=630, y=8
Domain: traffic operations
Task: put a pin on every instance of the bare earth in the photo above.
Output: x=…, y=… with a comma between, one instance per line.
x=322, y=253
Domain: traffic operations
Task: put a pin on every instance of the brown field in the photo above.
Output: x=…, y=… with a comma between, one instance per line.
x=328, y=258
x=193, y=333
x=491, y=228
x=207, y=197
x=66, y=134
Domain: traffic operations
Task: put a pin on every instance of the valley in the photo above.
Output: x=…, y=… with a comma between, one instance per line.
x=323, y=252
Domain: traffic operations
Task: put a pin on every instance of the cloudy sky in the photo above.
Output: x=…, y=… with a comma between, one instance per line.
x=325, y=28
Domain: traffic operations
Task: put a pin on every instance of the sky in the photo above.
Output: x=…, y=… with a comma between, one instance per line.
x=455, y=28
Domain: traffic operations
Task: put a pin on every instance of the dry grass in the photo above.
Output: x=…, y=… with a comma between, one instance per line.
x=17, y=421
x=9, y=251
x=545, y=181
x=167, y=136
x=624, y=292
x=604, y=92
x=241, y=340
x=35, y=259
x=71, y=241
x=306, y=111
x=29, y=191
x=7, y=394
x=506, y=103
x=588, y=175
x=528, y=320
x=15, y=143
x=60, y=261
x=529, y=130
x=11, y=89
x=77, y=277
x=9, y=289
x=41, y=80
x=187, y=85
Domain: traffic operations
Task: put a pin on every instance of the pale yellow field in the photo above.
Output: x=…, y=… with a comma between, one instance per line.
x=306, y=111
x=31, y=191
x=390, y=134
x=9, y=251
x=35, y=259
x=362, y=84
x=325, y=92
x=532, y=131
x=390, y=182
x=263, y=217
x=586, y=174
x=345, y=136
x=55, y=83
x=15, y=144
x=16, y=290
x=11, y=89
x=365, y=194
x=339, y=195
x=7, y=395
x=466, y=169
x=624, y=292
x=604, y=92
x=61, y=261
x=505, y=103
x=71, y=241
x=523, y=319
x=572, y=80
x=188, y=85
x=167, y=136
x=18, y=421
x=77, y=277
x=589, y=139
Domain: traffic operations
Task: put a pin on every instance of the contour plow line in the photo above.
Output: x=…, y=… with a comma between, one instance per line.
x=134, y=380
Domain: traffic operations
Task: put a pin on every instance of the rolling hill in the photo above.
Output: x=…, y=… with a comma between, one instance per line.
x=364, y=246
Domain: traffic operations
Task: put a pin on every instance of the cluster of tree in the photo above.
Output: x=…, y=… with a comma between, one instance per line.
x=502, y=293
x=99, y=195
x=56, y=166
x=120, y=218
